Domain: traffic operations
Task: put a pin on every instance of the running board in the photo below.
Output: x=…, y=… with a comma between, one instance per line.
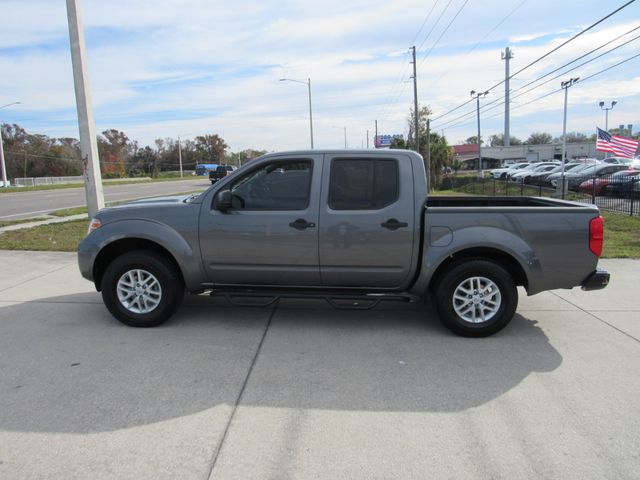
x=341, y=301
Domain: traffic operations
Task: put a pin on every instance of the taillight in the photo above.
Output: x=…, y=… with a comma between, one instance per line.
x=596, y=235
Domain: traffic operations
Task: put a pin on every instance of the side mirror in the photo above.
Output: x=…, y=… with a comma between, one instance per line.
x=222, y=201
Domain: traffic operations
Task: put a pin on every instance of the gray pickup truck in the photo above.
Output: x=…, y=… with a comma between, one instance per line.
x=352, y=227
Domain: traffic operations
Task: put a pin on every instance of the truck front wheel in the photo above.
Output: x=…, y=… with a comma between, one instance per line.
x=142, y=288
x=476, y=298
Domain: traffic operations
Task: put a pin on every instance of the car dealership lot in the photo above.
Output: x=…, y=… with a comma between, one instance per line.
x=305, y=391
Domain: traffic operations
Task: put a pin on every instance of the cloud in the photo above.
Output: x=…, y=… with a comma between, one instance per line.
x=168, y=67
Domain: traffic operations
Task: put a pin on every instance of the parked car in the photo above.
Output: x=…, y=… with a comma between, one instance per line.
x=523, y=174
x=220, y=172
x=595, y=171
x=351, y=227
x=537, y=178
x=621, y=184
x=554, y=178
x=618, y=160
x=501, y=173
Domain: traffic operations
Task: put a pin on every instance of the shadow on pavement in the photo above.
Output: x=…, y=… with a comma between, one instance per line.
x=70, y=367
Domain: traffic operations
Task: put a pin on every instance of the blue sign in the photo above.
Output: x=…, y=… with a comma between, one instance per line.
x=382, y=141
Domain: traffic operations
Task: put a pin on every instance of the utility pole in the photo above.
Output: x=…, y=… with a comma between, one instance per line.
x=565, y=86
x=428, y=159
x=375, y=139
x=345, y=137
x=3, y=165
x=477, y=96
x=367, y=139
x=415, y=99
x=180, y=155
x=506, y=56
x=88, y=137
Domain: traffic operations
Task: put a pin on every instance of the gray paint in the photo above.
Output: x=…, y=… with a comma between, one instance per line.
x=548, y=238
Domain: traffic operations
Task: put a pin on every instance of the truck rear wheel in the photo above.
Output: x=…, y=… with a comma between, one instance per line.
x=476, y=298
x=142, y=288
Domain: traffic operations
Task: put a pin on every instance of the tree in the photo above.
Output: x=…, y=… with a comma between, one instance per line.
x=398, y=141
x=144, y=162
x=440, y=153
x=473, y=140
x=211, y=148
x=539, y=138
x=573, y=137
x=114, y=150
x=498, y=140
x=244, y=156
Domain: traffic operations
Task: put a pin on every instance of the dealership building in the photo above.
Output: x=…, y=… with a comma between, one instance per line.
x=493, y=157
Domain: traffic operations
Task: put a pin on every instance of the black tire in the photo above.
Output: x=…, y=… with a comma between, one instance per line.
x=500, y=289
x=168, y=296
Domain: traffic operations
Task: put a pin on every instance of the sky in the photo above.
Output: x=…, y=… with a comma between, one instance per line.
x=169, y=68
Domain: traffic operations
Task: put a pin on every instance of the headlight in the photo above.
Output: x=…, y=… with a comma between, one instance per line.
x=94, y=224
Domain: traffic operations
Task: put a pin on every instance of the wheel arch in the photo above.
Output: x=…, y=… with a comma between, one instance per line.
x=500, y=257
x=118, y=247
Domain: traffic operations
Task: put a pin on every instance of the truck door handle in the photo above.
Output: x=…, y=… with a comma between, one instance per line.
x=394, y=224
x=302, y=224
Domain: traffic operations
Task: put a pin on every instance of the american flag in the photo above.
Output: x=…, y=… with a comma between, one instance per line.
x=619, y=146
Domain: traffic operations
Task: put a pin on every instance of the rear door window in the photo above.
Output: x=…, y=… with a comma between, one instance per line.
x=363, y=184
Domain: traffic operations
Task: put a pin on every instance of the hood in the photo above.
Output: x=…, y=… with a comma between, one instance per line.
x=153, y=201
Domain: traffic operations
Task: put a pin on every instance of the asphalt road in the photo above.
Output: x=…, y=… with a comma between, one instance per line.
x=19, y=205
x=301, y=391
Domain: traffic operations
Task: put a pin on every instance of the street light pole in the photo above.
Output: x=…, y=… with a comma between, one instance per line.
x=308, y=83
x=4, y=167
x=477, y=96
x=565, y=86
x=606, y=118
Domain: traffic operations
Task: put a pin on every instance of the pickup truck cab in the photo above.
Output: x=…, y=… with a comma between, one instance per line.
x=353, y=227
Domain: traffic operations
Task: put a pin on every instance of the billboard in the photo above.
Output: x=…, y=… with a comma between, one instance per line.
x=384, y=141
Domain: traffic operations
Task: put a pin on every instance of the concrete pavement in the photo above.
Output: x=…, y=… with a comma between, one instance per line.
x=304, y=391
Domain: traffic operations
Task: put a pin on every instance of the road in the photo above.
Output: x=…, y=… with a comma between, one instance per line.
x=14, y=206
x=302, y=391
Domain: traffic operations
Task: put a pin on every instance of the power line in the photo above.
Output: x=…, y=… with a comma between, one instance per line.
x=565, y=72
x=424, y=23
x=399, y=82
x=435, y=24
x=444, y=31
x=494, y=103
x=552, y=51
x=585, y=55
x=565, y=43
x=493, y=29
x=582, y=80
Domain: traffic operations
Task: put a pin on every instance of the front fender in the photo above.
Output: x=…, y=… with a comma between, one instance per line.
x=186, y=256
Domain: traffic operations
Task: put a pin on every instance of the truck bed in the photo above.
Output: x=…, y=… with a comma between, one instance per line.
x=482, y=201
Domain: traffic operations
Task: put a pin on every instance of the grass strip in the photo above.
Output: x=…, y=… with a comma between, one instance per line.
x=60, y=237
